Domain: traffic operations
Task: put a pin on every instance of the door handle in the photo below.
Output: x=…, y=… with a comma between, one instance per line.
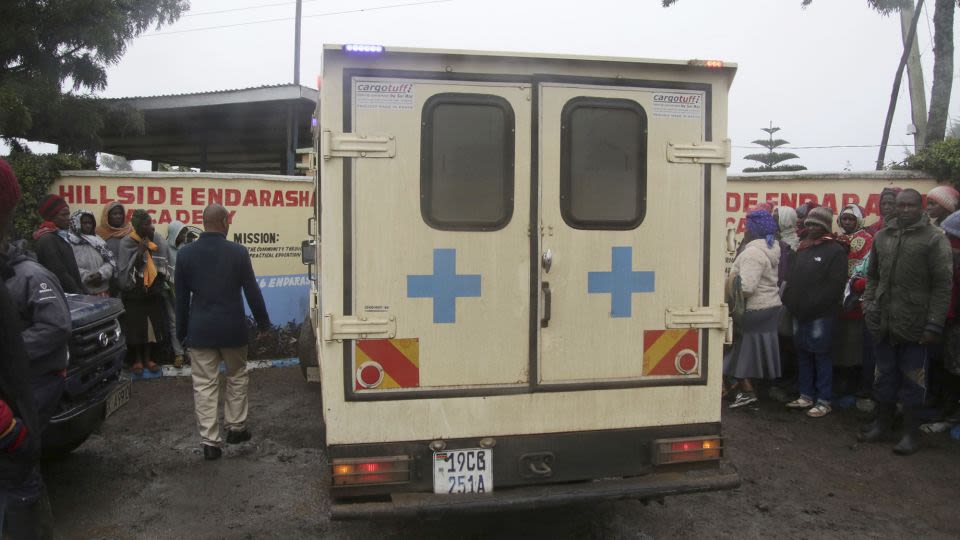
x=547, y=260
x=545, y=321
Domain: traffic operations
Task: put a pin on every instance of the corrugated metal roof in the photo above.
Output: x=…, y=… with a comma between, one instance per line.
x=265, y=92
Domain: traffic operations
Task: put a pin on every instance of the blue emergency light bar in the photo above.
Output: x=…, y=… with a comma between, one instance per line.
x=363, y=49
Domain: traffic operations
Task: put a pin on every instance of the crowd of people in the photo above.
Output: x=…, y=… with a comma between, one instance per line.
x=122, y=258
x=828, y=309
x=173, y=306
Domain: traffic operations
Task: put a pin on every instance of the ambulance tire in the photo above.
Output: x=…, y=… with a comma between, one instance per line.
x=307, y=347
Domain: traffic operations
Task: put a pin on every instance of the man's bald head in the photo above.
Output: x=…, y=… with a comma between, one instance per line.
x=216, y=218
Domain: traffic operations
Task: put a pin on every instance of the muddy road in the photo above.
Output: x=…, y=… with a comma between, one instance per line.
x=143, y=477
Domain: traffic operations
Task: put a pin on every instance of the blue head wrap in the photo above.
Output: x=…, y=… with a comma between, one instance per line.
x=761, y=224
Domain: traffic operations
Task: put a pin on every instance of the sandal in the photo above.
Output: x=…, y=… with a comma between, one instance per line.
x=801, y=402
x=178, y=361
x=137, y=368
x=152, y=367
x=819, y=410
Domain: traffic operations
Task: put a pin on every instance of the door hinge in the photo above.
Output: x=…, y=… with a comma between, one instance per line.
x=358, y=145
x=698, y=317
x=700, y=152
x=337, y=328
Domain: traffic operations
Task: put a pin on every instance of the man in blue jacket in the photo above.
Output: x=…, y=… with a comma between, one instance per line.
x=210, y=275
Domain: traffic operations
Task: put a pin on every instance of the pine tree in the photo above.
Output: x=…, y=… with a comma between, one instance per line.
x=772, y=159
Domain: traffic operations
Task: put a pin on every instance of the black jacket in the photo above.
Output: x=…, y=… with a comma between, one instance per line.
x=15, y=388
x=44, y=313
x=56, y=254
x=816, y=281
x=210, y=275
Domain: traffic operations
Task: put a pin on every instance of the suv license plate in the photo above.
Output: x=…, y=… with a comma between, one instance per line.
x=463, y=471
x=118, y=398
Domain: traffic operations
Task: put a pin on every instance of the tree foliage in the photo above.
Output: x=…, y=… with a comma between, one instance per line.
x=36, y=173
x=940, y=160
x=771, y=159
x=115, y=163
x=54, y=56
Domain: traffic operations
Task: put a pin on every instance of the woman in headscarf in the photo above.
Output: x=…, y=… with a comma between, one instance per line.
x=178, y=235
x=756, y=353
x=113, y=227
x=142, y=273
x=787, y=224
x=848, y=344
x=96, y=262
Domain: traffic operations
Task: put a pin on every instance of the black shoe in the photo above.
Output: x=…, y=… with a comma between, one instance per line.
x=210, y=452
x=237, y=437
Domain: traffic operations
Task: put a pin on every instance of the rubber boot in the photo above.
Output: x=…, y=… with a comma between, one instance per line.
x=33, y=521
x=910, y=442
x=880, y=428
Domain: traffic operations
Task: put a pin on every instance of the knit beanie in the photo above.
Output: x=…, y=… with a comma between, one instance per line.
x=822, y=216
x=9, y=190
x=50, y=206
x=945, y=196
x=951, y=224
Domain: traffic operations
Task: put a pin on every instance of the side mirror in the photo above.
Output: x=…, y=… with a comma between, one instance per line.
x=308, y=252
x=731, y=240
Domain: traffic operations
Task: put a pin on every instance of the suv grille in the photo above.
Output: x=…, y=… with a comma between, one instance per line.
x=94, y=339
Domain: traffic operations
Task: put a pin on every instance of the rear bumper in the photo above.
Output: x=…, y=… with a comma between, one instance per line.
x=653, y=485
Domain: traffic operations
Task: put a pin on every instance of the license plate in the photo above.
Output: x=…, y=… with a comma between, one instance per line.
x=463, y=471
x=118, y=398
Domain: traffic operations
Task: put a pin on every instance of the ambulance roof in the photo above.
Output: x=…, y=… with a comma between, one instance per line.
x=544, y=56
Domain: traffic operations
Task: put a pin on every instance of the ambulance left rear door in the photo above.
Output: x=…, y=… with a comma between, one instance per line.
x=440, y=237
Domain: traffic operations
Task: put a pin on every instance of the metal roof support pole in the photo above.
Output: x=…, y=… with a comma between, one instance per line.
x=296, y=45
x=290, y=163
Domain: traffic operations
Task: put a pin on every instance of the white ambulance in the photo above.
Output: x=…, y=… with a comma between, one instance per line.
x=520, y=278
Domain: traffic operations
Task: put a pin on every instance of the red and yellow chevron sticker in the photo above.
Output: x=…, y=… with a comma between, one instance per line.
x=385, y=364
x=671, y=352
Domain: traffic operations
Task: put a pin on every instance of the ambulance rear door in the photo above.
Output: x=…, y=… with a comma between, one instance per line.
x=623, y=232
x=439, y=231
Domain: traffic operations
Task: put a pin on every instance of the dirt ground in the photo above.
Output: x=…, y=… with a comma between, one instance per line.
x=143, y=477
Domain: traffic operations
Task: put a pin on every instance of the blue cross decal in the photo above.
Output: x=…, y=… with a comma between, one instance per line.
x=444, y=286
x=620, y=282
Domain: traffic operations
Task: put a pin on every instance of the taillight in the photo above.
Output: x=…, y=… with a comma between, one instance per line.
x=369, y=471
x=714, y=64
x=688, y=449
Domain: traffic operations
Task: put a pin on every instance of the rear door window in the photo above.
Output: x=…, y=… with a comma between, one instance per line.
x=603, y=170
x=467, y=162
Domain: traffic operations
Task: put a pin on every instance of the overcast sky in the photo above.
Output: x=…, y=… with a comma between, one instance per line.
x=823, y=74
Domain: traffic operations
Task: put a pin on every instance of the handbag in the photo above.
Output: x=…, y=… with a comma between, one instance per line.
x=736, y=301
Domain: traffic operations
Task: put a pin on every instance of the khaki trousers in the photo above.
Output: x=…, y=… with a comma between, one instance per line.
x=205, y=366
